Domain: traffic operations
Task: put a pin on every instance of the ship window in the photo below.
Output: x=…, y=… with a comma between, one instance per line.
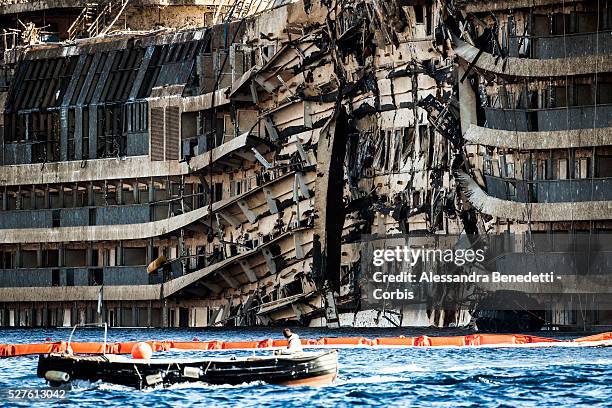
x=419, y=15
x=604, y=166
x=541, y=26
x=561, y=93
x=583, y=95
x=604, y=93
x=55, y=218
x=135, y=256
x=428, y=19
x=69, y=277
x=560, y=23
x=96, y=277
x=562, y=169
x=55, y=277
x=75, y=257
x=218, y=192
x=50, y=258
x=542, y=169
x=581, y=168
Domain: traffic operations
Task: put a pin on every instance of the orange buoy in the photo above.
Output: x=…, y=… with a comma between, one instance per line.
x=142, y=350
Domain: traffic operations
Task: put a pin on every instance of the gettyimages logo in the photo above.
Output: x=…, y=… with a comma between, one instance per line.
x=413, y=256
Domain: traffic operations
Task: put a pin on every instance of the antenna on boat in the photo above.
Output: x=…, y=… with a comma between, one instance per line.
x=105, y=325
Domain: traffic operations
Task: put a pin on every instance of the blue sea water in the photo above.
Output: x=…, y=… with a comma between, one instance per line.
x=470, y=377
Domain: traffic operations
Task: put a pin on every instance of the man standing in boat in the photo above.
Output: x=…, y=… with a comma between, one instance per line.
x=294, y=345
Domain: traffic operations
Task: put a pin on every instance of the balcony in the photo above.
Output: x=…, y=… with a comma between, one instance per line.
x=100, y=215
x=561, y=46
x=73, y=217
x=280, y=249
x=539, y=211
x=560, y=139
x=548, y=120
x=529, y=67
x=232, y=153
x=117, y=232
x=83, y=276
x=550, y=191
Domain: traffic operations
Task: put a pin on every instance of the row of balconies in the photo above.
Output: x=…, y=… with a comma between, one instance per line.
x=561, y=46
x=48, y=277
x=87, y=216
x=543, y=120
x=43, y=151
x=550, y=191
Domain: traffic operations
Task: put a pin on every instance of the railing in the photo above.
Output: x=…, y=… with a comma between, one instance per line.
x=561, y=46
x=11, y=38
x=99, y=215
x=550, y=191
x=552, y=119
x=104, y=325
x=581, y=263
x=81, y=23
x=75, y=276
x=92, y=22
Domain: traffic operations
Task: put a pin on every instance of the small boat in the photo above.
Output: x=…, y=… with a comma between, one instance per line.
x=304, y=368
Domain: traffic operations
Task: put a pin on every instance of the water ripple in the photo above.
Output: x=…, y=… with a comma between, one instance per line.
x=561, y=377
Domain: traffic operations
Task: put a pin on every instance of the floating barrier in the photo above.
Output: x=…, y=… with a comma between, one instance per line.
x=471, y=340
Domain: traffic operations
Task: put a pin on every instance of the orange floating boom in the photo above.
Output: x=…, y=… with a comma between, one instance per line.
x=471, y=340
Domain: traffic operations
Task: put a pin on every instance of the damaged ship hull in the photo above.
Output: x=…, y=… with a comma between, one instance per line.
x=251, y=156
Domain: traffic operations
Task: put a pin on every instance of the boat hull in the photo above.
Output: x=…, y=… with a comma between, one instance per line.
x=300, y=369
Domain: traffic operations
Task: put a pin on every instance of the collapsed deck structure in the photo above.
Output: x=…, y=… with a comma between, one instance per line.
x=245, y=148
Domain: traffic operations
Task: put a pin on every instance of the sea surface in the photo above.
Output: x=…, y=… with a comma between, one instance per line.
x=452, y=377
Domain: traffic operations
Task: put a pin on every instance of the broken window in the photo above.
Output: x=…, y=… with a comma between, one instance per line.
x=218, y=192
x=428, y=19
x=228, y=128
x=247, y=121
x=419, y=15
x=96, y=277
x=397, y=150
x=416, y=198
x=266, y=52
